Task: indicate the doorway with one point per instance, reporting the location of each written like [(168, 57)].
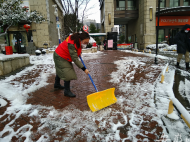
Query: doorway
[(18, 40), (172, 34)]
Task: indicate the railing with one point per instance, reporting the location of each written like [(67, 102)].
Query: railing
[(163, 73), (181, 110), (175, 103)]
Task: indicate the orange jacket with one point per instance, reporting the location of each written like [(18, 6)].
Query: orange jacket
[(63, 51)]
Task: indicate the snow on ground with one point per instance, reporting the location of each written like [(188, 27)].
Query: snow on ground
[(150, 55), (176, 128), (108, 119), (184, 89)]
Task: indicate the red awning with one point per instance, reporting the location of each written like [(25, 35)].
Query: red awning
[(173, 20)]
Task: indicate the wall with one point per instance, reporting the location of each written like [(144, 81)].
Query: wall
[(45, 32), (108, 8), (40, 32), (11, 64), (144, 29), (53, 31)]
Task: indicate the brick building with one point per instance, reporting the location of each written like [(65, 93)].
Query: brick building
[(139, 17), (38, 34)]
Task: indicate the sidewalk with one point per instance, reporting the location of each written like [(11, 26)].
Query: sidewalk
[(50, 116)]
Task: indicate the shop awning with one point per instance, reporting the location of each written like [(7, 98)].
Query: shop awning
[(173, 20)]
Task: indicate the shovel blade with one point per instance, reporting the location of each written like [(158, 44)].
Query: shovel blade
[(102, 99)]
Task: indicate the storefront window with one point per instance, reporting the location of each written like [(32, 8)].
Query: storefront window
[(174, 3), (131, 5), (18, 40), (161, 35), (163, 3), (120, 4), (186, 2)]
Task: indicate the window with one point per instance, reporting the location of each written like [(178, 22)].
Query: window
[(135, 38), (131, 5), (174, 3), (186, 2), (161, 35), (120, 4), (163, 3)]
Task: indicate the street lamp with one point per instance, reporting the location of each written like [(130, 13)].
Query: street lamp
[(57, 22), (157, 30)]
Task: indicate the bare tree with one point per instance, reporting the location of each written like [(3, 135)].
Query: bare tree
[(71, 9)]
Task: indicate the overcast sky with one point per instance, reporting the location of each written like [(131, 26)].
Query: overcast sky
[(95, 10)]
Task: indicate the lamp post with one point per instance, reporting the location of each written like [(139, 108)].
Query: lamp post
[(57, 22), (157, 31)]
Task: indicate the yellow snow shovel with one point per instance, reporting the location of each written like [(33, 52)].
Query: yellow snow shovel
[(99, 100)]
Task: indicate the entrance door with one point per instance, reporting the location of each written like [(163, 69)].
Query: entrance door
[(172, 34), (18, 41)]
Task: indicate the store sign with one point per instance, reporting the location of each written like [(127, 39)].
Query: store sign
[(173, 20)]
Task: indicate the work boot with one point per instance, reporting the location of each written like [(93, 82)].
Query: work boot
[(67, 91), (187, 66), (57, 83), (177, 66)]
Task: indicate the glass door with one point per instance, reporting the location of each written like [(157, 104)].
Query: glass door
[(18, 41)]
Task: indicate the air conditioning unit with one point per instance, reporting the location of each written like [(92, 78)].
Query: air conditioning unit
[(114, 29)]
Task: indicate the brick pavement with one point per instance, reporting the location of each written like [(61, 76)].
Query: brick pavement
[(47, 96)]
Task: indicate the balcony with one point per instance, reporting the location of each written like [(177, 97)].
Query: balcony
[(122, 16), (175, 11)]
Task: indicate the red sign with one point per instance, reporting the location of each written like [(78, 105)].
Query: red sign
[(85, 28), (173, 20)]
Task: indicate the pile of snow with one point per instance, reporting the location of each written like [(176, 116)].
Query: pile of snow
[(91, 41), (184, 89), (162, 47), (54, 46), (169, 48), (153, 46), (37, 51), (3, 102)]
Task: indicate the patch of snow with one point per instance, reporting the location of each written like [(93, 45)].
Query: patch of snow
[(12, 56), (3, 102)]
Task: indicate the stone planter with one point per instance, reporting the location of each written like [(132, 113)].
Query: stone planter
[(94, 49), (9, 63), (101, 47), (87, 50)]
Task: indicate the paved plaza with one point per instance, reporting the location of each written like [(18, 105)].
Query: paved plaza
[(60, 118)]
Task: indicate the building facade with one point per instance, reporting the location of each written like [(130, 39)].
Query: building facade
[(38, 34), (139, 18), (174, 14)]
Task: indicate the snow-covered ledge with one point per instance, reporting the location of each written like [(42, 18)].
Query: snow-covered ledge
[(89, 50), (9, 63)]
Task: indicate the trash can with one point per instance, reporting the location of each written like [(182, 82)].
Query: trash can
[(8, 50)]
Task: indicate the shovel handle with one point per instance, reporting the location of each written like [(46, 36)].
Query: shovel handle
[(89, 75)]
